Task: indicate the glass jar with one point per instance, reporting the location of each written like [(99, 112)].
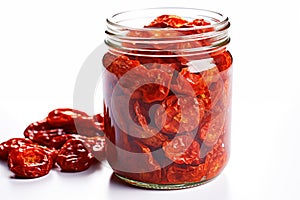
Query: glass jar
[(167, 96)]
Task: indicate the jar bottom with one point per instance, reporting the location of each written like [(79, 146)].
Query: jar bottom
[(161, 186)]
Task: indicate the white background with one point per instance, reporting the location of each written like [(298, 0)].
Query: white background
[(43, 45)]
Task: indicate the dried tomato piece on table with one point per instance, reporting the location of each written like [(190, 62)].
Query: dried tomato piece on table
[(96, 146), (30, 162), (73, 121), (42, 133), (74, 156), (99, 121), (11, 144)]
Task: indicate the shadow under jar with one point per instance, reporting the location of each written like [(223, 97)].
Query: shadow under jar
[(167, 96)]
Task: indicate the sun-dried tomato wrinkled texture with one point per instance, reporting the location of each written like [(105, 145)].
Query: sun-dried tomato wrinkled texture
[(30, 162)]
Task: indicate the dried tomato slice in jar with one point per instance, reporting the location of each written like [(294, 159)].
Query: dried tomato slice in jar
[(141, 166), (150, 137), (108, 58), (121, 65), (177, 22), (223, 60), (30, 162), (74, 156), (140, 115), (165, 21), (179, 114), (212, 130), (150, 85), (11, 144), (158, 86), (183, 149), (216, 160), (178, 174), (216, 87), (161, 62), (192, 84)]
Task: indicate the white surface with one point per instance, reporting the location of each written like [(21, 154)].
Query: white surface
[(43, 45)]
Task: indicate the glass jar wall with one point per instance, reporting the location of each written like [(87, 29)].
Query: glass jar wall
[(167, 96)]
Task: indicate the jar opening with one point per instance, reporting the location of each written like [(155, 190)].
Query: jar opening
[(126, 31), (136, 19)]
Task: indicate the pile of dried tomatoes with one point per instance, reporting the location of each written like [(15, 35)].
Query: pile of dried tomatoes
[(67, 138)]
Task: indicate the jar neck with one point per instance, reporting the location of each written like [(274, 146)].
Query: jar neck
[(126, 33)]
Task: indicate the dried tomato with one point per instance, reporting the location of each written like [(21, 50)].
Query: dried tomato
[(223, 60), (165, 21), (66, 116), (140, 166), (146, 134), (183, 149), (52, 152), (108, 58), (11, 144), (178, 174), (152, 85), (151, 137), (58, 141), (216, 160), (192, 84), (74, 156), (212, 129), (140, 115), (35, 127), (121, 65), (199, 22), (179, 114), (167, 64), (152, 170), (72, 121), (99, 121), (159, 87), (42, 133), (30, 162), (96, 146), (173, 21), (59, 126), (216, 87), (120, 114)]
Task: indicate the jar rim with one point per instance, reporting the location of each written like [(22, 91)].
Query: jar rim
[(120, 25), (218, 21)]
